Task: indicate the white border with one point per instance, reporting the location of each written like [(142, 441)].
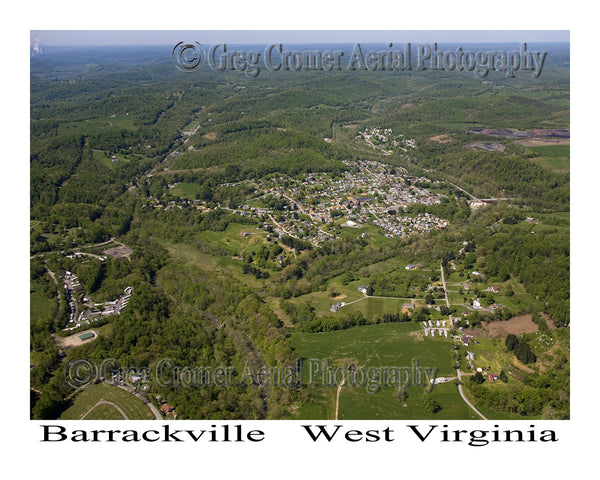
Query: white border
[(286, 454)]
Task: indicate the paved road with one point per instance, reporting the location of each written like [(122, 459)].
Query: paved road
[(462, 394), (150, 405), (464, 191)]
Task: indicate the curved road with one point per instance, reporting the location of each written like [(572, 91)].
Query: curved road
[(462, 394)]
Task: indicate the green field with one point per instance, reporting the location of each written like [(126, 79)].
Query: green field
[(108, 162), (375, 237), (104, 411), (386, 345), (231, 240), (555, 157), (393, 344), (87, 400), (186, 190), (237, 237), (518, 301), (356, 404), (41, 307), (372, 307)]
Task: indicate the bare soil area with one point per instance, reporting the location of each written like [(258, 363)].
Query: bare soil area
[(540, 142), (516, 326), (119, 252), (487, 146), (530, 138), (74, 340), (441, 139)]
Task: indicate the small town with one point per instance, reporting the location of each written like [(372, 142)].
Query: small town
[(312, 207), (369, 193)]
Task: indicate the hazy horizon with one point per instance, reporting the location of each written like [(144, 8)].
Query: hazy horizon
[(163, 37)]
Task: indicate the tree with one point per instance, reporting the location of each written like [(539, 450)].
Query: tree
[(502, 376), (432, 405), (511, 342), (478, 378), (524, 354)]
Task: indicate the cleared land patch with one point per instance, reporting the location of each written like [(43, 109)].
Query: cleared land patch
[(121, 251), (75, 340), (516, 326), (441, 139)]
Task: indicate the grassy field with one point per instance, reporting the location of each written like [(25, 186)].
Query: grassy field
[(520, 300), (375, 237), (372, 307), (356, 404), (231, 240), (186, 190), (122, 159), (40, 305), (393, 344), (86, 399), (236, 237), (386, 345), (104, 411), (555, 157)]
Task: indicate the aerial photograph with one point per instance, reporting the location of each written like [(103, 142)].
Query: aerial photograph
[(299, 225)]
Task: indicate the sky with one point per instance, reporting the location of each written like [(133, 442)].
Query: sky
[(164, 37)]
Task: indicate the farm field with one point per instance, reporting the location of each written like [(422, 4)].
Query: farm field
[(186, 190), (356, 404), (86, 404), (41, 307), (555, 157), (377, 346)]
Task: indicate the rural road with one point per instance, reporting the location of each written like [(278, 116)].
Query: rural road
[(464, 191), (154, 410), (458, 374), (337, 398), (460, 390), (445, 289)]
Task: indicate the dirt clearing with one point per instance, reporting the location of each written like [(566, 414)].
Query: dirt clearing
[(74, 340), (119, 252), (516, 326), (441, 139), (541, 142)]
